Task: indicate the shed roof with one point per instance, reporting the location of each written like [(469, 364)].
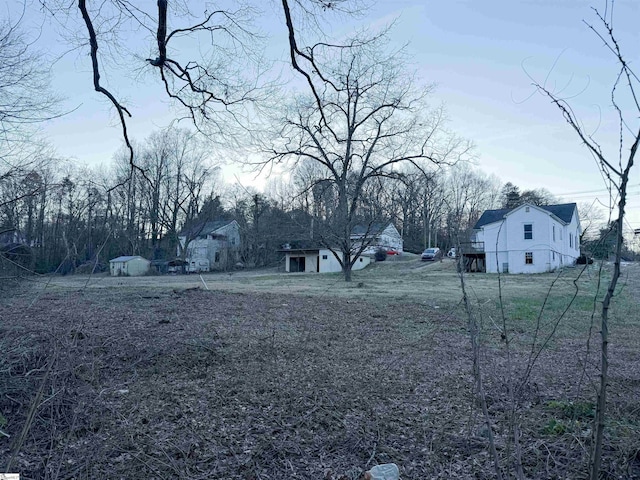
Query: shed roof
[(301, 245), (564, 211), (125, 258)]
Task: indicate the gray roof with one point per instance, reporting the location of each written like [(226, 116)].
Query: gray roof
[(125, 258), (372, 229), (490, 216), (206, 228), (563, 211)]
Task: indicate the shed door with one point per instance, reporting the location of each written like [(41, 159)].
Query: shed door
[(297, 264)]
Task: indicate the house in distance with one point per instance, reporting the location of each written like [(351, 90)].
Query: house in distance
[(213, 245), (525, 239), (378, 236)]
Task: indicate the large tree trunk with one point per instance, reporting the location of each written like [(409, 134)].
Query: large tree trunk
[(347, 265)]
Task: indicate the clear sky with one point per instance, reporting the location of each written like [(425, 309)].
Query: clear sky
[(482, 54)]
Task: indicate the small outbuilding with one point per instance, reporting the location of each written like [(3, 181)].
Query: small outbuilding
[(129, 265), (317, 260)]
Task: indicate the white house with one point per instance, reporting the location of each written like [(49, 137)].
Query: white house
[(129, 265), (380, 235), (210, 245), (526, 239), (318, 260)]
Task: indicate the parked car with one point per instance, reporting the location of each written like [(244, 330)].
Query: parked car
[(391, 251), (431, 254)]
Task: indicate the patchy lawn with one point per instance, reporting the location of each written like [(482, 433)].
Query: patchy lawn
[(150, 378)]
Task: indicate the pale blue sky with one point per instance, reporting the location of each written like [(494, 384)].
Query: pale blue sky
[(478, 52)]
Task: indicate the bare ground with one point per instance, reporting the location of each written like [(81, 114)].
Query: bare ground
[(252, 380)]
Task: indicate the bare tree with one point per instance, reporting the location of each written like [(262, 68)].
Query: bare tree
[(178, 168), (25, 102), (592, 218), (615, 163), (25, 95), (468, 192), (207, 58), (366, 116)]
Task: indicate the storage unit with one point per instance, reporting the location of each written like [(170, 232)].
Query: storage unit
[(129, 265)]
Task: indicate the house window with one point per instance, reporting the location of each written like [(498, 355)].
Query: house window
[(528, 258), (553, 255), (324, 257), (554, 233), (526, 209), (571, 240), (233, 241), (528, 231), (217, 257)]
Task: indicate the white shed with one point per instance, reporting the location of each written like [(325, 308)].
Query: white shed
[(129, 265), (318, 260)]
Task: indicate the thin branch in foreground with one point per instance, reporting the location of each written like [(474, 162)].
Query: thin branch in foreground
[(122, 110)]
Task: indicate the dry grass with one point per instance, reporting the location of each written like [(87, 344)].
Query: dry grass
[(273, 376)]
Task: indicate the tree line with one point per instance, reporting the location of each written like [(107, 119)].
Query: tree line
[(361, 145), (58, 217)]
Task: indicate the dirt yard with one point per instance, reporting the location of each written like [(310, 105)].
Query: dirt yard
[(273, 376)]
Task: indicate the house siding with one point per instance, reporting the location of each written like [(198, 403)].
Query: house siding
[(389, 238), (505, 242), (219, 252)]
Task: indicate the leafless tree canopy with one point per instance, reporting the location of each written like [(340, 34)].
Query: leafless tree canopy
[(208, 58), (25, 97), (365, 116), (25, 102)]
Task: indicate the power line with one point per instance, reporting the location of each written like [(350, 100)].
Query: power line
[(600, 190)]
